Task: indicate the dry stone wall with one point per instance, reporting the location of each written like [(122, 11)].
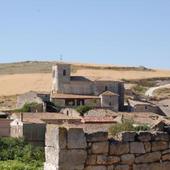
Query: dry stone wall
[(72, 149)]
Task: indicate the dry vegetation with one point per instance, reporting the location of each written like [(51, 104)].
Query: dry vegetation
[(21, 77), (162, 93)]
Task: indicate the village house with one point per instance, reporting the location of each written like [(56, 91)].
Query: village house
[(141, 106), (72, 91)]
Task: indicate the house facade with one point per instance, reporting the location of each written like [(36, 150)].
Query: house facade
[(73, 91)]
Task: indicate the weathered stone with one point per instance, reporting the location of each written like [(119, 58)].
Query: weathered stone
[(144, 136), (159, 145), (51, 156), (156, 166), (119, 148), (161, 136), (101, 159), (147, 146), (166, 165), (127, 136), (72, 159), (48, 166), (166, 157), (100, 147), (76, 139), (56, 136), (96, 168), (166, 152), (141, 167), (137, 147), (128, 159), (111, 167), (107, 160), (113, 159), (152, 166), (122, 167), (91, 160), (97, 137), (148, 157)]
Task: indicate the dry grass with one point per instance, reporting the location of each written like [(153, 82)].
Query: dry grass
[(162, 93), (22, 77)]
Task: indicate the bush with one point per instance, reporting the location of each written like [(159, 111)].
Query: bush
[(139, 89), (19, 150), (27, 107), (127, 125), (83, 109), (17, 165)]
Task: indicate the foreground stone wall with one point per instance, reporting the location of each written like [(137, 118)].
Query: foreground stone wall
[(72, 149)]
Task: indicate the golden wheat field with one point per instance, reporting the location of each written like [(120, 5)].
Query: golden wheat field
[(19, 83)]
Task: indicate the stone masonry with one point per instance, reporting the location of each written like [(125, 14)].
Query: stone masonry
[(72, 149)]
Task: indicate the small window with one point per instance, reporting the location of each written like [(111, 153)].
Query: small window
[(106, 88), (64, 72), (110, 103), (146, 107)]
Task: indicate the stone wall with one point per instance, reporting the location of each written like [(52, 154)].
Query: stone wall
[(72, 149)]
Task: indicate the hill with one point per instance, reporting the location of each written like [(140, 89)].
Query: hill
[(17, 78)]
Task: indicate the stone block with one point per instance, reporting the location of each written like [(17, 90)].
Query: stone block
[(148, 157), (100, 147), (110, 167), (166, 165), (127, 136), (56, 137), (72, 159), (144, 136), (91, 160), (128, 159), (97, 137), (51, 156), (141, 167), (101, 159), (96, 168), (166, 157), (159, 145), (137, 147), (161, 136), (122, 167), (76, 139), (166, 152), (119, 148), (48, 166), (147, 146), (113, 159)]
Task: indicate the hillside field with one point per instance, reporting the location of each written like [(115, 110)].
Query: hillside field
[(17, 78)]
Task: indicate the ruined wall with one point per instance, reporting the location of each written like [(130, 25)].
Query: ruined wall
[(72, 149)]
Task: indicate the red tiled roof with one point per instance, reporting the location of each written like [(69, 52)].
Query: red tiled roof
[(98, 119)]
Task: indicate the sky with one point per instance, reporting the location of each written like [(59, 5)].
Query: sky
[(119, 32)]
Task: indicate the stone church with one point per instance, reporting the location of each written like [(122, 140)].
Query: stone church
[(72, 91)]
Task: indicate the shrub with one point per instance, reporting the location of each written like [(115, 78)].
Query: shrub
[(127, 125), (17, 165), (27, 107), (83, 109), (139, 89), (19, 150)]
